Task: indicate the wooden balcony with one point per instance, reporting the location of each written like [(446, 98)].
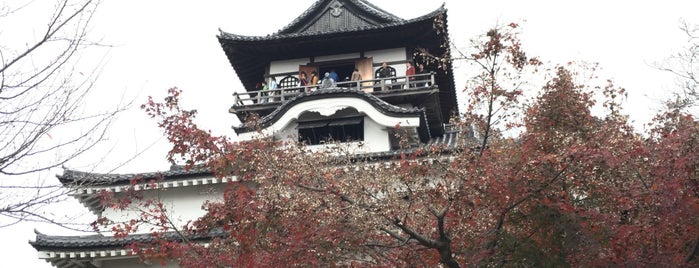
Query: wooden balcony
[(395, 90)]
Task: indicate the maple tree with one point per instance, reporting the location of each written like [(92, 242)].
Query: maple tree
[(569, 188)]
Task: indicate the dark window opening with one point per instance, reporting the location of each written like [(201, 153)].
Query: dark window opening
[(325, 131), (343, 70)]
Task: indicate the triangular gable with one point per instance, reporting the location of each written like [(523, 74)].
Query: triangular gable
[(328, 16)]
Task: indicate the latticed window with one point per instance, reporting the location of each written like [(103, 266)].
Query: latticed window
[(387, 82), (289, 81), (393, 72)]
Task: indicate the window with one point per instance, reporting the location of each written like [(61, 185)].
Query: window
[(338, 129), (391, 69), (392, 81), (288, 82), (343, 70)]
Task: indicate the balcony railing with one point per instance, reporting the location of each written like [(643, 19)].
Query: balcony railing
[(411, 82)]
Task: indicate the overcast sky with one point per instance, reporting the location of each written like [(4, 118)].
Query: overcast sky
[(158, 44)]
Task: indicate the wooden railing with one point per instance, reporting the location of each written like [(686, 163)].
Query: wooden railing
[(279, 95)]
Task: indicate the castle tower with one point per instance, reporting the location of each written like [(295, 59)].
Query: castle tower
[(332, 36)]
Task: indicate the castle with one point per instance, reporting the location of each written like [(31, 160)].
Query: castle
[(368, 90)]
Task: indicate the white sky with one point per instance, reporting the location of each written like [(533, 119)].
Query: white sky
[(159, 44)]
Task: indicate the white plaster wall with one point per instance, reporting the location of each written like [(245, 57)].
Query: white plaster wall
[(400, 69), (346, 56), (387, 55), (375, 136), (289, 133), (286, 66), (182, 203)]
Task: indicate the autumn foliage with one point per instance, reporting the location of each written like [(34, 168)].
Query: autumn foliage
[(549, 183)]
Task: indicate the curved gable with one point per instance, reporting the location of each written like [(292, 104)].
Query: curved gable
[(328, 102)]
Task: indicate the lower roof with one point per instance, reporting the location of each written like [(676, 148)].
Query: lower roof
[(92, 179), (449, 142)]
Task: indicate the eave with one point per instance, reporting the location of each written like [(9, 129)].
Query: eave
[(91, 250), (86, 187), (250, 54)]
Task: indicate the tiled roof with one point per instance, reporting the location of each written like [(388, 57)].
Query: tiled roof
[(449, 140), (282, 35), (99, 241), (371, 8), (381, 105), (73, 176)]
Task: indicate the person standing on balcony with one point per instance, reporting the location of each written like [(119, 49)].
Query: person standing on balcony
[(264, 92), (273, 83), (314, 79), (328, 82), (258, 89), (409, 74), (421, 75), (334, 75), (273, 87), (303, 80), (356, 76), (384, 73)]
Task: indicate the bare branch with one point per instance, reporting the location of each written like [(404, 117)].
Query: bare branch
[(44, 122)]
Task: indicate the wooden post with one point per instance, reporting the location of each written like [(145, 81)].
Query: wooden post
[(235, 98), (431, 78)]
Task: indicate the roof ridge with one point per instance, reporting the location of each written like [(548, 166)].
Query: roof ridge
[(314, 8), (280, 35)]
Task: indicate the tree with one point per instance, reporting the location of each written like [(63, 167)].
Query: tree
[(569, 189), (685, 66), (496, 90), (43, 121)]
